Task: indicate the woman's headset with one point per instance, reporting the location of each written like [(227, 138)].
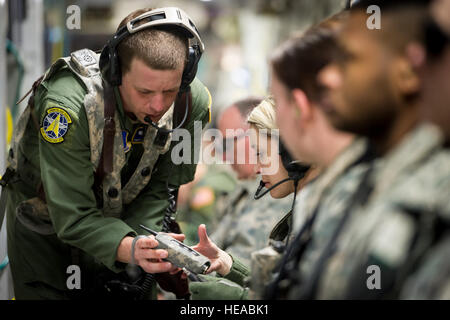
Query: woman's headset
[(296, 171)]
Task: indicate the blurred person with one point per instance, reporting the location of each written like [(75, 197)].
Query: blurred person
[(435, 91), (341, 157), (432, 58), (390, 223), (245, 224), (203, 198), (233, 119), (91, 161)]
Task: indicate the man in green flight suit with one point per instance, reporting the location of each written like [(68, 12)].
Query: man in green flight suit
[(78, 193)]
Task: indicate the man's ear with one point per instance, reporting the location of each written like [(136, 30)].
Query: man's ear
[(302, 105), (416, 55), (407, 79)]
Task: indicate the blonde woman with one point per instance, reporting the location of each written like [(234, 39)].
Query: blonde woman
[(280, 183)]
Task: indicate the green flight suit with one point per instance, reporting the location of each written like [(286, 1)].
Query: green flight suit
[(40, 262)]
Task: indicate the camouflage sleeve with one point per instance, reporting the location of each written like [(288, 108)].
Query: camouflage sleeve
[(431, 280), (253, 226), (67, 177)]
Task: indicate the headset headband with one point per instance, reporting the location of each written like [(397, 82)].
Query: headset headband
[(166, 16), (109, 60)]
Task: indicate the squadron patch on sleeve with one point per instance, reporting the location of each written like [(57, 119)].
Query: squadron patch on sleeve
[(203, 197), (55, 125), (126, 143)]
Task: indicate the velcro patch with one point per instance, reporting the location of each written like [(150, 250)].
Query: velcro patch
[(55, 125), (84, 57), (138, 135)]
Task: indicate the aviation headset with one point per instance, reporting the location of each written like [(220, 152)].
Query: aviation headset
[(296, 171), (169, 16)]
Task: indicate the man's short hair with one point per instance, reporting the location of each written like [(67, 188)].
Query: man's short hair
[(298, 60), (160, 48), (244, 106), (386, 5), (402, 21)]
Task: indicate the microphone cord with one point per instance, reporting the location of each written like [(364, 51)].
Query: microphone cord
[(261, 186), (167, 131)]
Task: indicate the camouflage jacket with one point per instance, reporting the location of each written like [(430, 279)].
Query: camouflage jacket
[(383, 240), (265, 261), (431, 280), (324, 197), (247, 224)]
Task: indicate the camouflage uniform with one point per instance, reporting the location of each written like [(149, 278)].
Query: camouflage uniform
[(58, 144), (396, 226), (247, 222), (329, 195), (324, 199), (265, 261), (432, 279), (333, 186)]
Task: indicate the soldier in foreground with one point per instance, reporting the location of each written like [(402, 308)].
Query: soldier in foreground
[(432, 59), (91, 161)]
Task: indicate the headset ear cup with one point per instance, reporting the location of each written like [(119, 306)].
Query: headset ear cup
[(286, 158), (115, 72), (295, 169), (110, 66), (104, 63), (191, 67)]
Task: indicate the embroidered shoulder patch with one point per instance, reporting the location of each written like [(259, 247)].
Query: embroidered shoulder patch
[(55, 125), (203, 197), (126, 143), (138, 135)]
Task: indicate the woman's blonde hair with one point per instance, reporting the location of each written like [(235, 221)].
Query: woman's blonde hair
[(263, 115)]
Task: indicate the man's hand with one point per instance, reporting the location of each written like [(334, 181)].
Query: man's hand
[(145, 254), (220, 260)]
